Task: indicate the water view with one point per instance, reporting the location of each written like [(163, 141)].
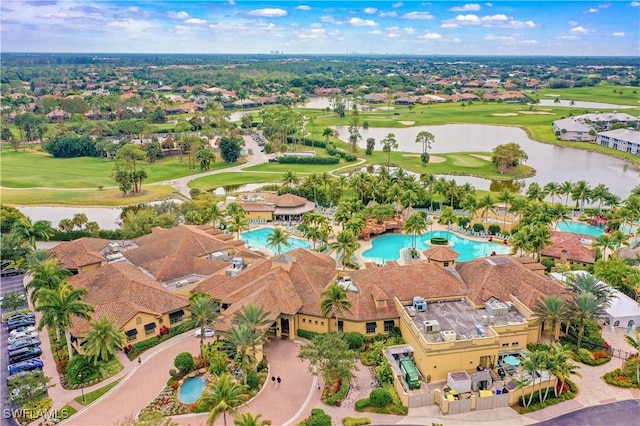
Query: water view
[(387, 247), (580, 228), (552, 163), (258, 238)]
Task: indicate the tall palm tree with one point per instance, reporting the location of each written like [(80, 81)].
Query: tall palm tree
[(634, 342), (356, 224), (415, 225), (552, 189), (278, 239), (505, 197), (203, 311), (558, 213), (346, 244), (561, 367), (216, 215), (389, 143), (47, 274), (224, 396), (520, 243), (290, 178), (102, 339), (334, 301), (426, 139), (551, 310), (469, 204), (238, 224), (604, 242), (254, 317), (584, 307), (447, 216), (60, 306), (247, 419), (485, 204), (580, 283), (429, 183), (243, 342), (31, 232), (599, 193), (581, 193), (535, 192)]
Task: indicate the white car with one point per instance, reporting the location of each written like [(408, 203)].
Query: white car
[(208, 332), (22, 335), (25, 329)]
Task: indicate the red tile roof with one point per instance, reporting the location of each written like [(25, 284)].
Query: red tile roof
[(441, 254), (568, 245), (81, 252)]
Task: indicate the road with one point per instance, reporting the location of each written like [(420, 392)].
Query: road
[(7, 285), (619, 413)]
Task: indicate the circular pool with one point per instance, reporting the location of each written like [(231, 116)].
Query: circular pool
[(191, 389)]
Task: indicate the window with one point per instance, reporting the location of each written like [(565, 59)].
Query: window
[(515, 343), (388, 325), (505, 345), (371, 327), (150, 329), (316, 323), (176, 317), (340, 325), (139, 320), (132, 335), (304, 320), (321, 322), (446, 264)]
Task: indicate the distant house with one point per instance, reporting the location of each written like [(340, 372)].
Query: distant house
[(58, 115), (567, 247), (375, 98), (573, 129), (621, 139), (81, 255), (326, 91)]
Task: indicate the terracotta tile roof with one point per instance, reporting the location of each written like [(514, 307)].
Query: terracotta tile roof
[(169, 253), (531, 264), (81, 252), (500, 276), (568, 245), (119, 291), (257, 207), (441, 254), (288, 200)]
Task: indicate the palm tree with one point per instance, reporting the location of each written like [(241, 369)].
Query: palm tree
[(635, 344), (356, 224), (290, 178), (561, 367), (551, 310), (238, 224), (334, 301), (102, 339), (535, 192), (520, 243), (469, 204), (216, 215), (600, 194), (346, 244), (485, 204), (327, 133), (254, 317), (47, 274), (565, 189), (247, 419), (584, 307), (426, 139), (552, 189), (278, 239), (203, 311), (532, 362), (447, 216), (224, 396), (389, 143), (243, 341), (604, 241), (429, 183), (505, 197), (580, 283), (581, 193), (415, 225), (558, 213), (59, 306), (32, 232)]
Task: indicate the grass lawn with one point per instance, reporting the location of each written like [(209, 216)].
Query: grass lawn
[(110, 197), (31, 168), (601, 93), (239, 178), (92, 396), (301, 169), (66, 412)]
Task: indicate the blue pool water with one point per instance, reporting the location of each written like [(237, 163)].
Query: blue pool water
[(191, 389), (258, 238), (580, 228), (387, 247)]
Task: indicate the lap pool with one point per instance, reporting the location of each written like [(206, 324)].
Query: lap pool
[(258, 238), (388, 247)]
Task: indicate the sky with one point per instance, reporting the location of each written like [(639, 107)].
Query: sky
[(575, 28)]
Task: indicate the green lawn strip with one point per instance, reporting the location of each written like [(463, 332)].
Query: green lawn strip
[(233, 178), (110, 197), (66, 412), (602, 93), (89, 397), (31, 169), (298, 168)]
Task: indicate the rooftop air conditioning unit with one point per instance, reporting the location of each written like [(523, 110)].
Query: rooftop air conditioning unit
[(238, 262), (448, 335), (181, 283), (510, 306), (431, 326), (234, 272), (114, 247), (480, 330), (115, 257), (496, 308), (411, 311), (419, 304)]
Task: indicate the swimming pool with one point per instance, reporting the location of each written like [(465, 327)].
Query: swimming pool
[(258, 238), (387, 247), (580, 228), (191, 389)]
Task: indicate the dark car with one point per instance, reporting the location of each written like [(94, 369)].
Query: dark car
[(32, 364), (21, 323), (24, 354), (24, 343), (12, 271), (273, 160)]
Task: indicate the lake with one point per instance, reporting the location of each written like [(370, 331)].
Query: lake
[(552, 163)]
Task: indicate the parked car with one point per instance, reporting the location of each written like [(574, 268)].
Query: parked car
[(9, 272), (22, 335), (21, 322), (24, 354), (21, 315), (208, 332), (27, 328), (23, 343), (32, 364), (273, 160)]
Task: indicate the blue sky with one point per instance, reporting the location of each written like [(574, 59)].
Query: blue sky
[(582, 28)]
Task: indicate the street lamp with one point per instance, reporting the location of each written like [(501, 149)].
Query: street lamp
[(81, 385)]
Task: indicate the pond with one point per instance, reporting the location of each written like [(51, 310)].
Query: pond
[(552, 163), (581, 104)]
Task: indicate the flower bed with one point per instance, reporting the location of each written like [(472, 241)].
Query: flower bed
[(168, 404)]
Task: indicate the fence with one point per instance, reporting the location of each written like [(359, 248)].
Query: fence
[(619, 353)]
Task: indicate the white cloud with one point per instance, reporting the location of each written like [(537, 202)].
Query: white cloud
[(578, 30), (391, 14), (303, 7), (490, 21), (313, 34), (195, 21), (604, 5), (392, 35), (397, 5), (330, 20), (507, 39), (431, 36), (178, 15), (268, 13), (592, 10), (470, 7), (133, 27), (417, 15), (409, 30), (618, 34), (489, 4), (635, 4), (449, 25), (358, 22), (529, 41), (374, 32), (231, 2), (370, 10), (133, 9), (568, 37), (572, 23)]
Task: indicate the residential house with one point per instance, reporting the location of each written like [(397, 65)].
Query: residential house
[(573, 129), (567, 247), (621, 139), (58, 115)]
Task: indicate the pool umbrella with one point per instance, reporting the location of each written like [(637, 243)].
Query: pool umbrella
[(511, 360)]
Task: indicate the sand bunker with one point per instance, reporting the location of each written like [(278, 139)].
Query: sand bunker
[(482, 157), (407, 123), (505, 114), (436, 159), (536, 112)]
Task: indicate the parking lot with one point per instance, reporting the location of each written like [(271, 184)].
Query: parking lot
[(7, 285)]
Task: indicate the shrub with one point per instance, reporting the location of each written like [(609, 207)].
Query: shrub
[(384, 373), (494, 229), (33, 410), (439, 241), (478, 227), (184, 362), (173, 372), (263, 365), (340, 394), (354, 339), (350, 158), (318, 418), (361, 404), (253, 381), (294, 159), (463, 221), (380, 398), (81, 366), (599, 354), (356, 421), (109, 368), (307, 334)]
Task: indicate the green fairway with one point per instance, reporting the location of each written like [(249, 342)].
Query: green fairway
[(87, 197), (240, 178), (298, 168), (31, 169), (604, 93)]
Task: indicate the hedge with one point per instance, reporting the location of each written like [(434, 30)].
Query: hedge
[(620, 379), (140, 347), (307, 334), (536, 405), (294, 159), (309, 142), (439, 241), (356, 421), (341, 394)]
